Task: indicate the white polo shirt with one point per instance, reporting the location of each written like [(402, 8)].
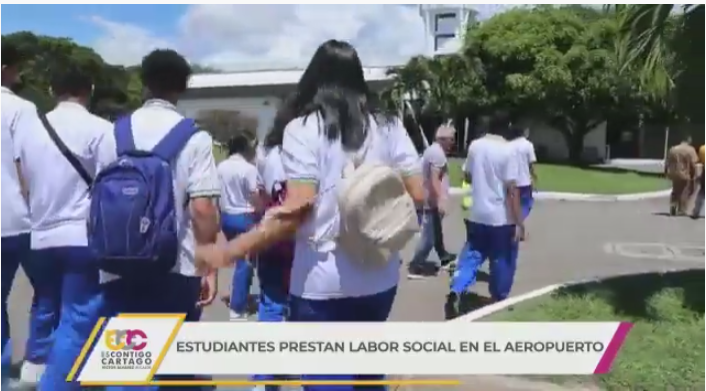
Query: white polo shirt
[(323, 271), (18, 116), (194, 171), (493, 165), (58, 196), (272, 170), (524, 150), (239, 181)]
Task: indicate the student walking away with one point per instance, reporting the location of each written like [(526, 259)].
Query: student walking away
[(699, 202), (435, 171), (156, 273), (495, 223), (18, 117), (524, 150), (339, 154), (240, 204), (680, 168), (59, 160)]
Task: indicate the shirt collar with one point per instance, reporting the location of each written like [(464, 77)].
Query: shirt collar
[(159, 103), (6, 90), (71, 106)]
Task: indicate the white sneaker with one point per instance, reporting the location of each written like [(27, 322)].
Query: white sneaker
[(237, 317), (30, 374)]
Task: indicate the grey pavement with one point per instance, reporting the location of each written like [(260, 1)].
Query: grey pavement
[(566, 241)]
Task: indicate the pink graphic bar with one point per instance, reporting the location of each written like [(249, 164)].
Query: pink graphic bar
[(611, 352)]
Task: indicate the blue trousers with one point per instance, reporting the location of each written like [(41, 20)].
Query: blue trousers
[(526, 200), (496, 244), (171, 294), (375, 308), (67, 297), (15, 251), (234, 225), (431, 236)]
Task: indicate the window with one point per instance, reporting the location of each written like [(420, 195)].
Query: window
[(445, 23), (441, 39)]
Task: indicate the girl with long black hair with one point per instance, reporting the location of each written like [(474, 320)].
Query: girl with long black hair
[(331, 117)]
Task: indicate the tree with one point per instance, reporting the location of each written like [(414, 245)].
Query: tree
[(666, 43), (552, 63), (223, 124)]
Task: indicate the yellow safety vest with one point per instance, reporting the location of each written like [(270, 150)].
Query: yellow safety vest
[(466, 201)]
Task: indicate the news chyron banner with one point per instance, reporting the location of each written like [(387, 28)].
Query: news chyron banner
[(133, 349)]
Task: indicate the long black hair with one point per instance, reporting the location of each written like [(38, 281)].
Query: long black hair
[(332, 86)]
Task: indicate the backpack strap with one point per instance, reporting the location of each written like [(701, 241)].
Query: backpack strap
[(175, 140), (123, 135)]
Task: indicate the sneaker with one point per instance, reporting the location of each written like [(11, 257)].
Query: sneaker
[(237, 317), (448, 261), (451, 308), (29, 376), (418, 271)]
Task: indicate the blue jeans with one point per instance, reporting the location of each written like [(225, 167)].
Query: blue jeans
[(526, 200), (487, 242), (67, 304), (172, 294), (375, 308), (234, 225), (15, 251), (431, 236)]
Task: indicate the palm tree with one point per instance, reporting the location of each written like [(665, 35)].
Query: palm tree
[(666, 41)]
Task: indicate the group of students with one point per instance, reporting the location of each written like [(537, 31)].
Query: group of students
[(56, 177)]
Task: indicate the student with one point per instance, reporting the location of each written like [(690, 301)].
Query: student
[(62, 271), (165, 74), (524, 150), (240, 204), (435, 171), (18, 116), (495, 224), (332, 121)]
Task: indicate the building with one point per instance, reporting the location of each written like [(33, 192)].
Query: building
[(444, 25)]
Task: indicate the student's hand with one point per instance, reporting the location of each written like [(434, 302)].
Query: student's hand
[(210, 257), (520, 233), (209, 289)]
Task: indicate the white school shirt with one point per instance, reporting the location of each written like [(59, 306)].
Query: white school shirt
[(18, 116), (273, 170), (492, 165), (238, 179), (320, 270), (194, 171), (58, 196), (435, 157), (524, 150)]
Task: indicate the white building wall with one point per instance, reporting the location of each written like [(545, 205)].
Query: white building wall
[(262, 108)]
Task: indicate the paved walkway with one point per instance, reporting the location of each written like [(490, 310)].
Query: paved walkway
[(567, 241)]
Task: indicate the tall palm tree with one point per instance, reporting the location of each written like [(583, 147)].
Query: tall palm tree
[(666, 42)]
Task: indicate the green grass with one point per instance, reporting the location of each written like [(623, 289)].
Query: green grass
[(665, 348), (568, 179)]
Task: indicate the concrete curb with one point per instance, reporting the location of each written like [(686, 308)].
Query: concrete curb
[(556, 196)]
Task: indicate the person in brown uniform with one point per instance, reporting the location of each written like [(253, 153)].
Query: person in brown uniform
[(680, 168)]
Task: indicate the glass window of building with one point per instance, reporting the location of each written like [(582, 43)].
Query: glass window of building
[(445, 23)]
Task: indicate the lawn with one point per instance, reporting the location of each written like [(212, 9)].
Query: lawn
[(665, 348), (568, 179)]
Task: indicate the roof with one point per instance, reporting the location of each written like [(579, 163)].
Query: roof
[(267, 77)]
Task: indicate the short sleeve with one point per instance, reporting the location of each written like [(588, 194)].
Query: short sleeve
[(203, 175), (300, 150), (531, 155), (403, 154), (437, 158), (512, 167)]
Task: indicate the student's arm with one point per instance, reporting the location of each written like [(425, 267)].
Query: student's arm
[(405, 159), (203, 189), (510, 177), (532, 158)]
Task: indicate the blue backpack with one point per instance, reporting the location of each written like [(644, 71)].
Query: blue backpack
[(132, 228)]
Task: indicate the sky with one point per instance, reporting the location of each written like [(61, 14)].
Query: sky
[(231, 37)]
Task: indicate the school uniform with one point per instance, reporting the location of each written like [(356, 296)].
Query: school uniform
[(490, 232), (194, 175), (18, 116), (525, 154), (61, 269), (239, 181), (326, 285)]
